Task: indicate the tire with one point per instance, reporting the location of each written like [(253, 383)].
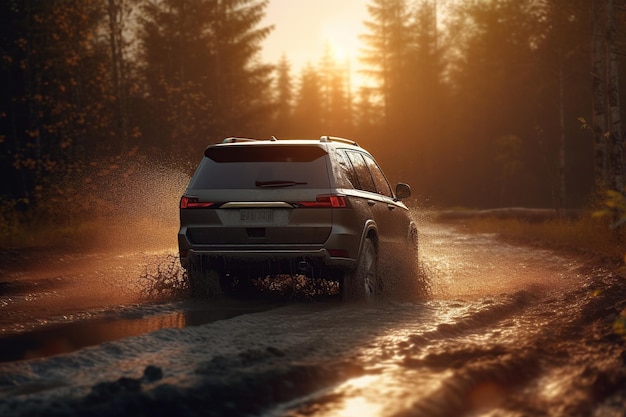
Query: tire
[(363, 283), (203, 282)]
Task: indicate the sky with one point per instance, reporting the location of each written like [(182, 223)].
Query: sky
[(302, 28)]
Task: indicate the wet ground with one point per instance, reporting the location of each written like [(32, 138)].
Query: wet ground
[(508, 330)]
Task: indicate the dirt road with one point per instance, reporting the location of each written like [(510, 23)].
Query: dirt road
[(507, 331)]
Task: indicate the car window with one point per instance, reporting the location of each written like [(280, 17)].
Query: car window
[(256, 167), (366, 182), (260, 153), (382, 185), (346, 171)]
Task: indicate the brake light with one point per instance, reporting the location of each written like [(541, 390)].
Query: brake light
[(326, 201), (193, 202), (337, 201)]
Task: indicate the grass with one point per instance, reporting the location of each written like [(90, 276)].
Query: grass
[(587, 234)]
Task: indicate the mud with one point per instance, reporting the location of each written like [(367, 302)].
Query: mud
[(507, 330)]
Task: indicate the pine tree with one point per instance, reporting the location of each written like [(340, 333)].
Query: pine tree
[(335, 89), (614, 127), (386, 51), (608, 141), (368, 120), (562, 50), (308, 108), (240, 85), (117, 22), (284, 99), (493, 76), (200, 66), (422, 114)]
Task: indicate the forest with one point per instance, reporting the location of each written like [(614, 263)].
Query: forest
[(474, 103)]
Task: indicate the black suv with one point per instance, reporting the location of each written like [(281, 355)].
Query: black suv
[(263, 208)]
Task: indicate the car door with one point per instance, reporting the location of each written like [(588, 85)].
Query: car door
[(392, 216), (389, 215)]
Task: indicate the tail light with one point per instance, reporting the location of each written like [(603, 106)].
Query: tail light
[(326, 201), (193, 202)]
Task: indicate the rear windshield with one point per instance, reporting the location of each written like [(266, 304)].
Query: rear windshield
[(258, 167)]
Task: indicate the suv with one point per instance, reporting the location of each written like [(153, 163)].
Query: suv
[(321, 208)]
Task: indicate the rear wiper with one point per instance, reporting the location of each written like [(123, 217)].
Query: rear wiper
[(277, 184)]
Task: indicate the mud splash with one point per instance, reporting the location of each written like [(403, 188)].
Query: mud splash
[(128, 256)]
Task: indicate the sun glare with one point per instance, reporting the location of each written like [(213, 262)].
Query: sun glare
[(306, 30), (342, 40)]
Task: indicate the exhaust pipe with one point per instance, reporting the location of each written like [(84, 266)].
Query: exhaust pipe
[(303, 266)]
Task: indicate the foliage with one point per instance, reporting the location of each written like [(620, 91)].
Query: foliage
[(198, 64), (587, 233), (336, 109), (386, 49), (57, 99), (464, 105), (283, 118), (614, 207), (309, 102)]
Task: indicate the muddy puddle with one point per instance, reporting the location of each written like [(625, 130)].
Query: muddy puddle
[(83, 301), (119, 323)]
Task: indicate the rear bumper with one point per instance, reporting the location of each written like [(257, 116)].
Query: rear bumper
[(336, 253), (340, 250), (231, 259), (313, 262)]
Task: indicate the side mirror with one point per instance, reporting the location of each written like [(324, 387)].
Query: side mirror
[(403, 191)]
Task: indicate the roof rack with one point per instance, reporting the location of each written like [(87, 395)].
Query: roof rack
[(336, 139), (234, 140), (274, 139)]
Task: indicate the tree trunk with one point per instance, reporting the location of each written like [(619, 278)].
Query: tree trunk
[(115, 11), (561, 199), (614, 127), (599, 72)]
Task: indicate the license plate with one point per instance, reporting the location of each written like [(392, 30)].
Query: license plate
[(256, 215)]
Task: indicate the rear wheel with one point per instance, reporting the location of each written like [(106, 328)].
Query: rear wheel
[(363, 283), (203, 281)]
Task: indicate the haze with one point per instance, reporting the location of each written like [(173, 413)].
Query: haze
[(303, 28)]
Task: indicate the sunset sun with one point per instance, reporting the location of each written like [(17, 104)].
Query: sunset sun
[(341, 39), (305, 34)]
